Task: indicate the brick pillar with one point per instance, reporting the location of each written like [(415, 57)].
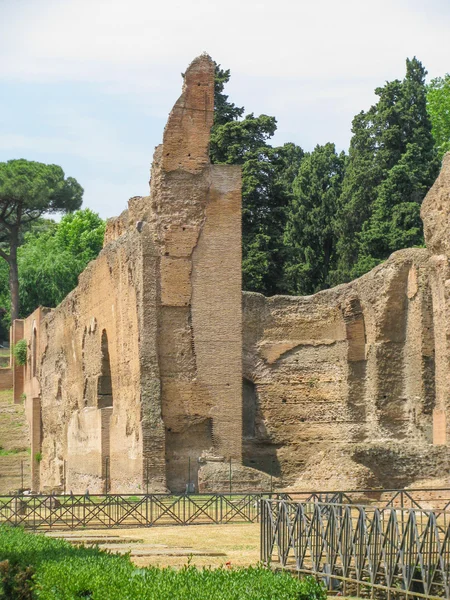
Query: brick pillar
[(106, 414)]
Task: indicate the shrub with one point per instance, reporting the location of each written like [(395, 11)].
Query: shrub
[(20, 352), (59, 571)]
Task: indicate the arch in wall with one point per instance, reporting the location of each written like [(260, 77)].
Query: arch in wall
[(104, 384), (34, 350)]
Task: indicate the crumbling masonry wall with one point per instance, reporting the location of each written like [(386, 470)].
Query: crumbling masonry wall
[(139, 369), (108, 302)]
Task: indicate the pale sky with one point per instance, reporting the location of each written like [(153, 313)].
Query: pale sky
[(88, 84)]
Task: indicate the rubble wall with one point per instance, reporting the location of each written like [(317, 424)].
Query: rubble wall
[(195, 213), (97, 345), (333, 380)]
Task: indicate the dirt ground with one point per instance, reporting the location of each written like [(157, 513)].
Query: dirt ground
[(200, 545)]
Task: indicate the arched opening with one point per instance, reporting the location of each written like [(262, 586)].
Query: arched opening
[(33, 352), (104, 386)]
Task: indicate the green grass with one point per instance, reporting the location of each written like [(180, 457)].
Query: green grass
[(42, 568)]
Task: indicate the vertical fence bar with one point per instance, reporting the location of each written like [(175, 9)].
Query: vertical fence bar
[(21, 474), (230, 478), (146, 475)]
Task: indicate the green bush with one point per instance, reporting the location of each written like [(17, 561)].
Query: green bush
[(20, 352), (37, 567)]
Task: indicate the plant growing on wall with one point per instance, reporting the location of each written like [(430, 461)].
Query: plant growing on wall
[(20, 352)]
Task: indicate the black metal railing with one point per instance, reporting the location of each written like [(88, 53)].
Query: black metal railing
[(128, 510), (362, 550), (422, 498), (113, 510)]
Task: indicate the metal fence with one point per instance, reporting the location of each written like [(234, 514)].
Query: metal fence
[(113, 510), (68, 511), (423, 498), (362, 550)]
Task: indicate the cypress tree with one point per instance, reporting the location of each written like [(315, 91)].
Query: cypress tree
[(267, 175), (309, 233), (392, 163)]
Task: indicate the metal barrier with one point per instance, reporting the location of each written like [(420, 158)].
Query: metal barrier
[(106, 511), (127, 510), (422, 498), (363, 550)]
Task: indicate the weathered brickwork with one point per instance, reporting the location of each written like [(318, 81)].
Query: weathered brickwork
[(156, 371)]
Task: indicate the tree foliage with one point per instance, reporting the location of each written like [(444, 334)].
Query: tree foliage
[(267, 175), (20, 352), (52, 257), (310, 228), (27, 191), (438, 98), (392, 163), (50, 262)]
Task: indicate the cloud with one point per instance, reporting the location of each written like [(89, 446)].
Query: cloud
[(313, 65), (112, 40)]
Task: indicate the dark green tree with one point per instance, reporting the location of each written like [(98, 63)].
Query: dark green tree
[(438, 105), (310, 228), (267, 176), (392, 163), (27, 191)]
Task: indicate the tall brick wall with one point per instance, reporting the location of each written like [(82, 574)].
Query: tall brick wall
[(109, 298), (196, 215), (168, 263)]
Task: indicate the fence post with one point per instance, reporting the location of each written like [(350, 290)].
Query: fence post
[(64, 477), (230, 476), (146, 475), (21, 473), (271, 476)]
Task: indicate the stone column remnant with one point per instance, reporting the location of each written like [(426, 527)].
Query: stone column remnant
[(435, 213), (195, 212)]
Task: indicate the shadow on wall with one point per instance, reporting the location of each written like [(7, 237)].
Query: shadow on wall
[(104, 386), (400, 464), (257, 450), (184, 447)]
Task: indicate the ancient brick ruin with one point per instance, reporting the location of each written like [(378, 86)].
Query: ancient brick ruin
[(156, 360)]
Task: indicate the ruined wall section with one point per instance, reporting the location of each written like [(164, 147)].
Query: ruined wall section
[(102, 330), (338, 376), (435, 213), (195, 214)]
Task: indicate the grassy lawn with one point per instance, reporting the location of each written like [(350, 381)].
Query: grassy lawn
[(42, 568), (14, 444)]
